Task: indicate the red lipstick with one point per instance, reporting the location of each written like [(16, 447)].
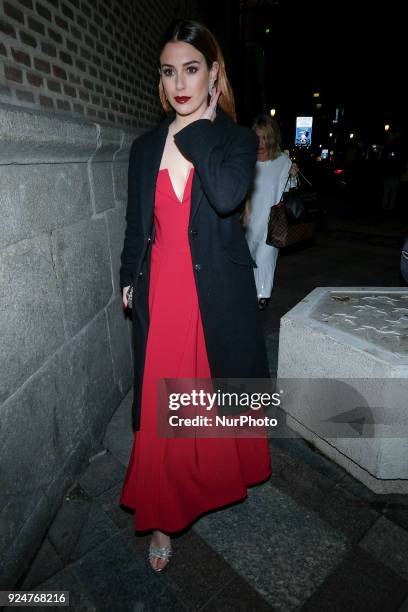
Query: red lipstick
[(182, 99)]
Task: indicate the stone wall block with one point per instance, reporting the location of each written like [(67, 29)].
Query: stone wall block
[(120, 340), (41, 197), (65, 358), (115, 220), (32, 136), (95, 358), (31, 325), (100, 179), (82, 262), (66, 402), (120, 181), (35, 519), (101, 168), (17, 556), (120, 167), (83, 378), (31, 419)]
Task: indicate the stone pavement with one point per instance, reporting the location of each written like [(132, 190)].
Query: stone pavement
[(312, 538)]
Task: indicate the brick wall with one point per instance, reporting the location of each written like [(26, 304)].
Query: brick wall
[(95, 58)]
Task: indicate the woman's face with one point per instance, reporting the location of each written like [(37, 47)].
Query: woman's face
[(261, 135), (262, 150), (185, 77)]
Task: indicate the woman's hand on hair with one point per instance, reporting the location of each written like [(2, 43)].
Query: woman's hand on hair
[(210, 111)]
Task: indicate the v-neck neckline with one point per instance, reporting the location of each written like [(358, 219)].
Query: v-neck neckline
[(171, 183)]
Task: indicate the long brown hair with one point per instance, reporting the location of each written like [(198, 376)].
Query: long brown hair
[(197, 35), (272, 134)]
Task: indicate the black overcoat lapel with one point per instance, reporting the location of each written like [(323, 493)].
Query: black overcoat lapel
[(150, 170), (155, 147)]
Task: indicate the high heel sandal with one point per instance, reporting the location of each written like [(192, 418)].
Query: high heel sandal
[(160, 552), (262, 303)]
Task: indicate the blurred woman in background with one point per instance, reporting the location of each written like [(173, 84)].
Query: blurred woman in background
[(273, 168)]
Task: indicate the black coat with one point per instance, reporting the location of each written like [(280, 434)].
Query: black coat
[(224, 157)]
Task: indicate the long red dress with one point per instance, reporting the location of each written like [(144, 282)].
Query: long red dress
[(172, 481)]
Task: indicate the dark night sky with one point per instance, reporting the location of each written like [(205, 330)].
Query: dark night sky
[(355, 53)]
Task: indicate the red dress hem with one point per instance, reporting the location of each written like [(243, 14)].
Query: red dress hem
[(219, 506)]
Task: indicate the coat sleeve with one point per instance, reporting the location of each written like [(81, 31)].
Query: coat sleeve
[(225, 180), (133, 231)]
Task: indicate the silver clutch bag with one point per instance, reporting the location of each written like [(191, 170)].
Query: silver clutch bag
[(129, 296)]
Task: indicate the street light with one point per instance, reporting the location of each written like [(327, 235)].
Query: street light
[(386, 127), (351, 136), (273, 112)]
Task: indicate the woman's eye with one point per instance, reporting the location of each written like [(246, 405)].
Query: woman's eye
[(168, 72)]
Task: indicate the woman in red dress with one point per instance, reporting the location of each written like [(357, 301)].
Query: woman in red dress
[(170, 482)]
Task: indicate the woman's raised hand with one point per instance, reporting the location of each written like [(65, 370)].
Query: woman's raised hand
[(124, 298), (210, 111)]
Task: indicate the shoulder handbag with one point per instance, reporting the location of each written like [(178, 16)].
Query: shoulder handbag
[(280, 232), (129, 296), (298, 200), (278, 226)]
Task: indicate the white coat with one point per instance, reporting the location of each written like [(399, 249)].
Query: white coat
[(269, 183)]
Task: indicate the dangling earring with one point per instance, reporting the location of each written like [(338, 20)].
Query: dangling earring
[(210, 88)]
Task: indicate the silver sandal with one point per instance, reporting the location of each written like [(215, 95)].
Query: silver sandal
[(160, 552)]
